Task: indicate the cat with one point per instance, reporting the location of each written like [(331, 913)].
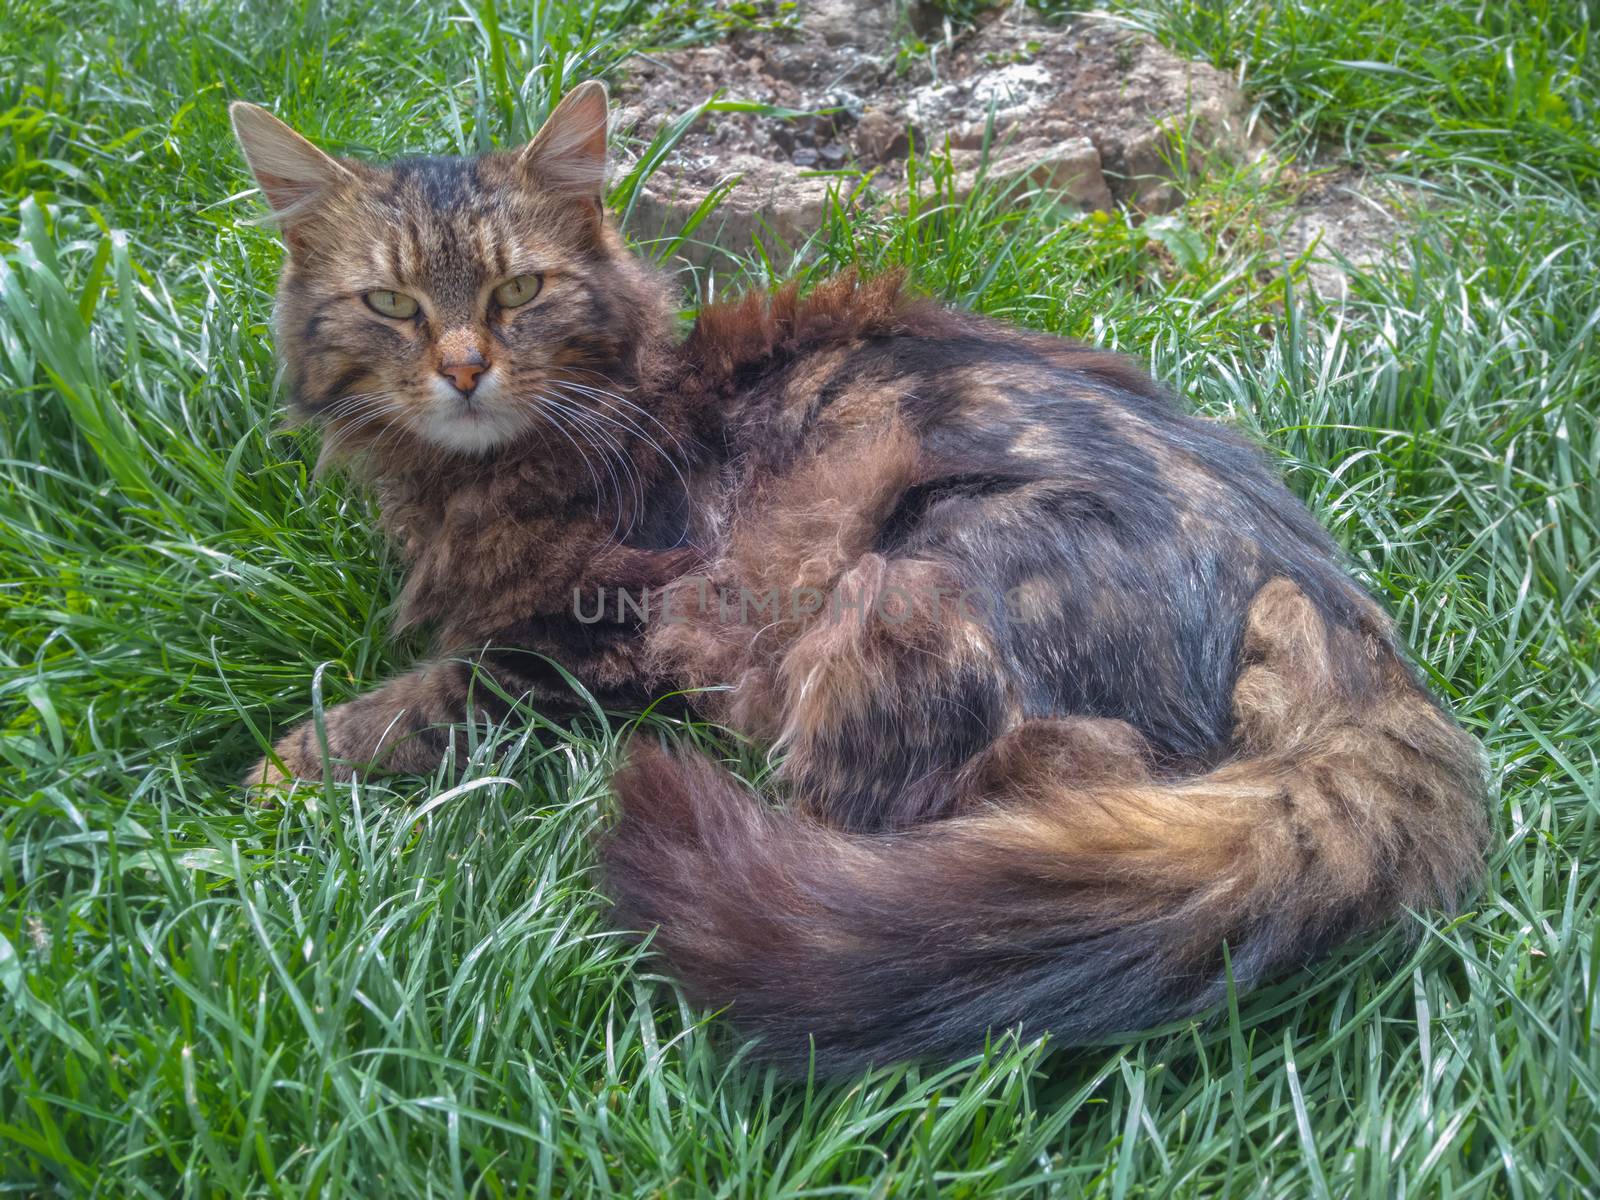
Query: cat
[(1080, 714)]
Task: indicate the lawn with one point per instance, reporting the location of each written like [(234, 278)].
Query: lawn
[(410, 987)]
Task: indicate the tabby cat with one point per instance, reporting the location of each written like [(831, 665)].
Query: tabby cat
[(1070, 692)]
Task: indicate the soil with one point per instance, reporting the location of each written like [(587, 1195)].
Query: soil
[(1347, 217), (1089, 109)]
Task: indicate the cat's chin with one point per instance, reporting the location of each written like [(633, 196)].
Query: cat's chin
[(474, 433), (474, 442), (473, 427)]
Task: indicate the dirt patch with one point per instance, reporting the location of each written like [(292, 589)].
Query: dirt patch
[(1089, 109), (1345, 217)]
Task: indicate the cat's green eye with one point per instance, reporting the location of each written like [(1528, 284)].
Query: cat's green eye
[(391, 304), (518, 291)]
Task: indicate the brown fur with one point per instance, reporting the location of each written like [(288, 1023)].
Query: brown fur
[(798, 531), (496, 544), (1077, 876), (1086, 693)]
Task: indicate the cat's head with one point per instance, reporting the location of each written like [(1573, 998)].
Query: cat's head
[(457, 304)]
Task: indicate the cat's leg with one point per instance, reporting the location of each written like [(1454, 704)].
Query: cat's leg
[(888, 695), (729, 624), (405, 725), (898, 705)]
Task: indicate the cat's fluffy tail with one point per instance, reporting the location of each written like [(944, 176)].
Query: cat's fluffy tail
[(1081, 909)]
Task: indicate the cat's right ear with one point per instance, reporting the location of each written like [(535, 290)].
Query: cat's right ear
[(567, 156), (293, 173)]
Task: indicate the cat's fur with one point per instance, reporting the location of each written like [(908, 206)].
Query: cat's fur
[(1171, 723)]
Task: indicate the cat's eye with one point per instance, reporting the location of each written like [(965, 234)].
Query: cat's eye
[(516, 292), (391, 304)]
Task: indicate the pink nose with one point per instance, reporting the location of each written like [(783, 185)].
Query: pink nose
[(464, 372)]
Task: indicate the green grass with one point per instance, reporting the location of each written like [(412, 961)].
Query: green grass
[(410, 988)]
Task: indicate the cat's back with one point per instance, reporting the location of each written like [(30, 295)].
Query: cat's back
[(986, 400), (1133, 532)]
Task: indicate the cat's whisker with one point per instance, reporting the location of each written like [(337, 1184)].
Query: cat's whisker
[(617, 397), (599, 421), (623, 422), (374, 410), (631, 465), (609, 412), (638, 494), (349, 403), (354, 406), (613, 447), (548, 411), (622, 419), (391, 429), (578, 422), (343, 435), (346, 431), (608, 446)]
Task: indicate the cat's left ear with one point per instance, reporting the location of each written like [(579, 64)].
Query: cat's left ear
[(568, 155), (293, 173)]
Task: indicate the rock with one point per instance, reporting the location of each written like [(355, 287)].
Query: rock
[(1071, 167), (1090, 109), (868, 25), (881, 137), (772, 201)]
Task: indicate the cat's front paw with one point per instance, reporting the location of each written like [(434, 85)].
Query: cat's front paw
[(275, 775), (266, 782)]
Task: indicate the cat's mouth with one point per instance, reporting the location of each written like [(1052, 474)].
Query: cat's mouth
[(476, 410), (472, 423)]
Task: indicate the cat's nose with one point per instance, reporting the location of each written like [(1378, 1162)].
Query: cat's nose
[(464, 371)]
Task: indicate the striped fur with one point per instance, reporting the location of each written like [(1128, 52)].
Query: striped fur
[(1129, 707), (1078, 893), (1188, 726)]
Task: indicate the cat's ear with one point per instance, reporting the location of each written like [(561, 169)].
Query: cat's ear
[(293, 173), (568, 154)]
